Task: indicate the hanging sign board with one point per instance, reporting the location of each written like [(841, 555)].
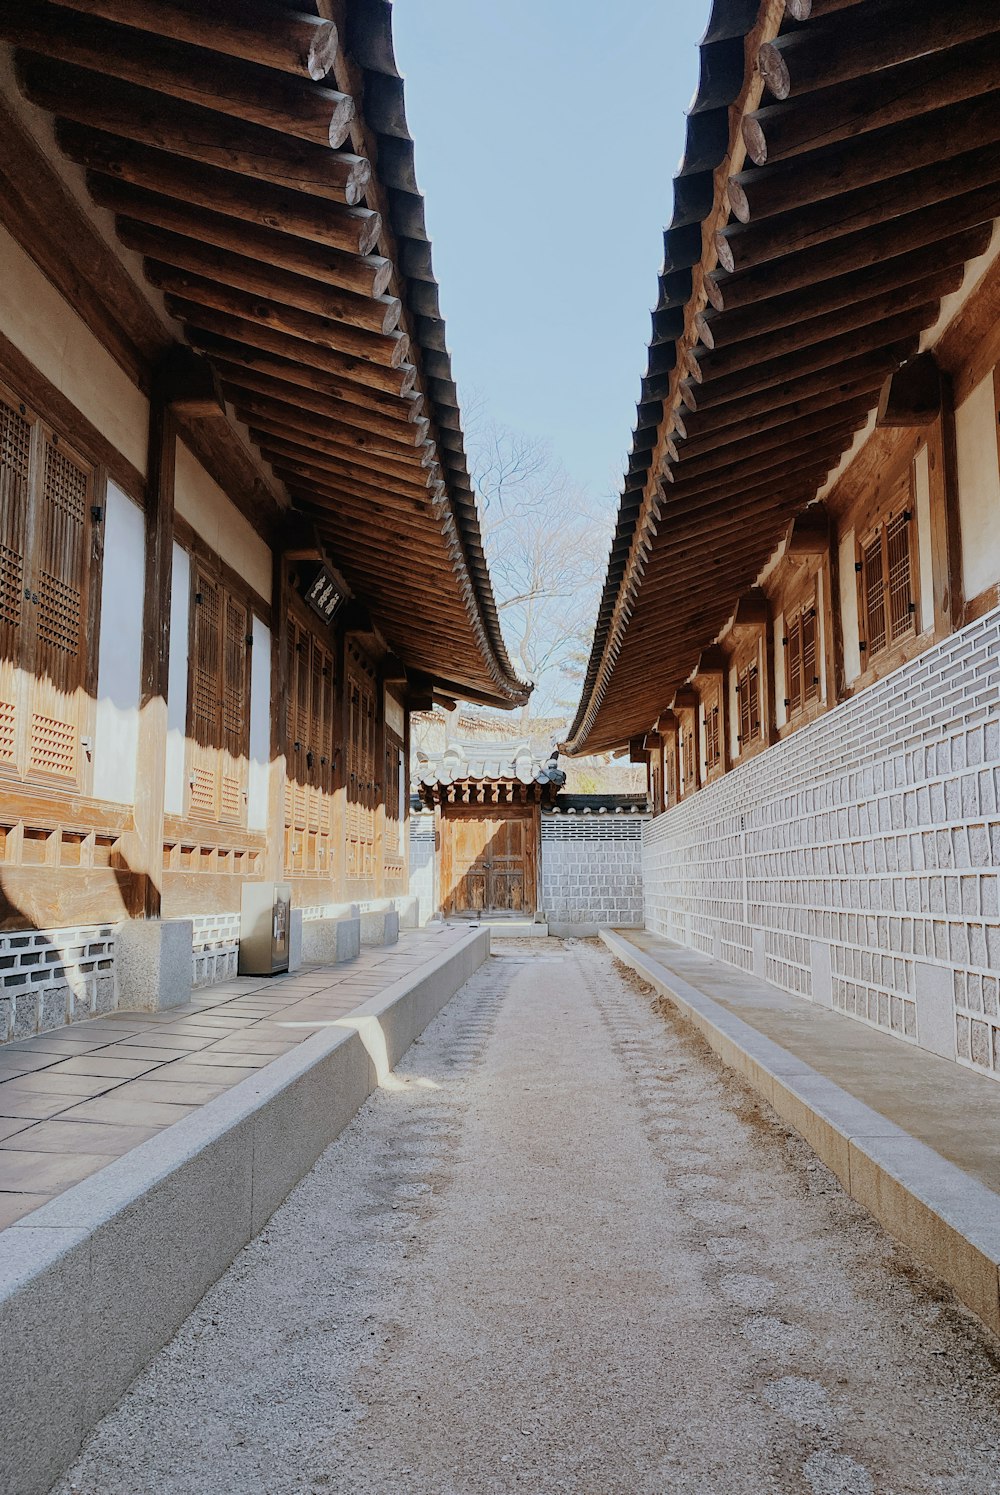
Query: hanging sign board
[(323, 594)]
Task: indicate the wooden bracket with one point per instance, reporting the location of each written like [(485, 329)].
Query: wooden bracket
[(912, 395)]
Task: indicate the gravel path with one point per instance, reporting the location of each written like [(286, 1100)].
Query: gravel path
[(564, 1251)]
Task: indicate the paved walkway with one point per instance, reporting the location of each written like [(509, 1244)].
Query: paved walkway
[(953, 1109), (76, 1097), (563, 1250)]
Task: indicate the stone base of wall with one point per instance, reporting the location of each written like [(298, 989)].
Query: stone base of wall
[(857, 863), (53, 976)]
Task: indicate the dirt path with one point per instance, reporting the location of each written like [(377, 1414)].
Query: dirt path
[(565, 1252)]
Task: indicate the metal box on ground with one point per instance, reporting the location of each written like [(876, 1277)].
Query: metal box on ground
[(265, 919)]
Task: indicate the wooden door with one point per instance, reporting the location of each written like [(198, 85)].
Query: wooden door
[(488, 860)]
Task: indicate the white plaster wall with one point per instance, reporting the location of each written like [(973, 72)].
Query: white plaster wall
[(177, 682), (979, 488), (260, 726), (199, 499), (60, 345), (780, 672), (924, 538), (116, 728), (849, 607)]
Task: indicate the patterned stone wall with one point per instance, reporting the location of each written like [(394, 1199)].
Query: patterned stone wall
[(857, 863), (54, 976), (592, 872)]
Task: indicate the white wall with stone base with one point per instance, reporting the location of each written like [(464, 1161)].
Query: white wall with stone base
[(857, 863)]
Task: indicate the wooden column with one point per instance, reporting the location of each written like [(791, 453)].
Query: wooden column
[(380, 780), (341, 721), (146, 843), (275, 858)]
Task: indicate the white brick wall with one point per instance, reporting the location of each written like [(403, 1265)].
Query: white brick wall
[(856, 863), (592, 870)]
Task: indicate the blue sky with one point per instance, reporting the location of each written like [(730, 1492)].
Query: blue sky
[(547, 134)]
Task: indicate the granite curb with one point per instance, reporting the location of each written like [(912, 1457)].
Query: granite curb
[(948, 1219), (95, 1282)]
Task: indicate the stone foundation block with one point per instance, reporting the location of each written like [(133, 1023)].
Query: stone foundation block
[(154, 963), (327, 941), (380, 927)]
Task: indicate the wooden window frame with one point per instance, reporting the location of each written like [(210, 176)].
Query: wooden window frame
[(748, 674), (713, 761), (872, 525), (29, 781), (800, 702)]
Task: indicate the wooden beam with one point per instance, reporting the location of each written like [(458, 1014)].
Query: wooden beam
[(829, 116), (343, 454), (151, 119), (776, 314), (829, 356), (353, 342), (259, 278), (746, 245), (288, 106), (339, 419), (864, 312), (873, 159), (304, 391), (292, 42), (257, 334), (222, 189), (822, 56), (847, 255), (366, 275), (946, 523)]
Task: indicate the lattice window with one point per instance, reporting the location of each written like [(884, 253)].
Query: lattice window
[(801, 669), (310, 727), (888, 605), (713, 737), (219, 701), (688, 735), (46, 518), (15, 456), (393, 794), (748, 705), (362, 791)]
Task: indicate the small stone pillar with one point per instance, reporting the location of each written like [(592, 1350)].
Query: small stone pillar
[(154, 963)]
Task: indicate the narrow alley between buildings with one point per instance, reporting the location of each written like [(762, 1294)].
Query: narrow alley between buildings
[(563, 1249)]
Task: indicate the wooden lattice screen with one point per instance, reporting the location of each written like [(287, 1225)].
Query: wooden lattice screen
[(393, 845), (219, 702), (800, 657), (888, 607), (713, 743), (748, 704), (310, 754), (362, 790), (46, 524)]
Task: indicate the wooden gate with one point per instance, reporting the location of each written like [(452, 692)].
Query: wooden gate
[(489, 859)]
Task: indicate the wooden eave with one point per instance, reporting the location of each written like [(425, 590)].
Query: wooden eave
[(257, 157), (842, 169), (479, 791)]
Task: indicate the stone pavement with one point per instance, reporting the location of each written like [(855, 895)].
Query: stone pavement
[(74, 1098), (949, 1108)]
